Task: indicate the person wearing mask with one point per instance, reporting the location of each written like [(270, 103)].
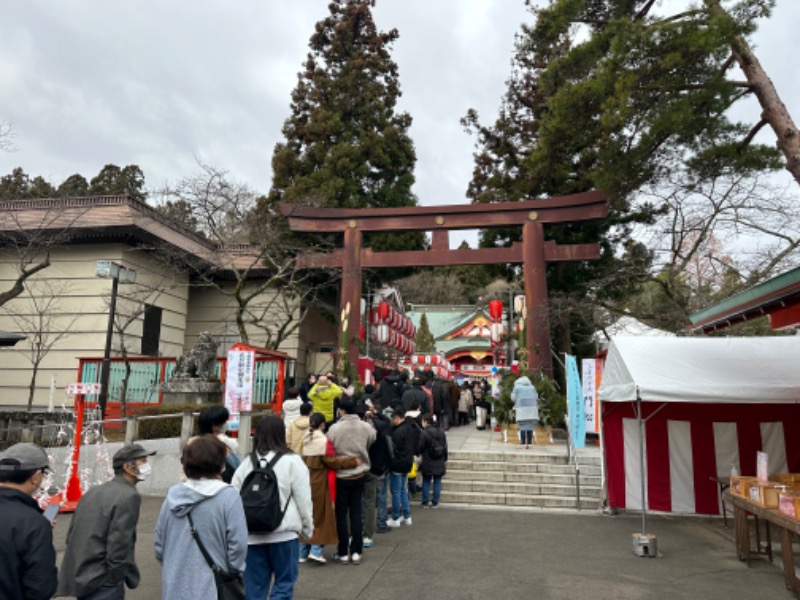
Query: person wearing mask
[(213, 420), (216, 513), (272, 558), (27, 556), (306, 386), (100, 559), (402, 459), (351, 437)]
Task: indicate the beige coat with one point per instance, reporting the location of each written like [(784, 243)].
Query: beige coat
[(295, 434)]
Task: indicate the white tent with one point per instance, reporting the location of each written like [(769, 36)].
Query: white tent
[(689, 369), (707, 405)]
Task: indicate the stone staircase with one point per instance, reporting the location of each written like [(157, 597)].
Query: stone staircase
[(522, 478)]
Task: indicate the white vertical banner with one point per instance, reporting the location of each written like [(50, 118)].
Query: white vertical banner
[(589, 393), (239, 380)]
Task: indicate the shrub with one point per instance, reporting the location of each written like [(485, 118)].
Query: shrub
[(552, 405)]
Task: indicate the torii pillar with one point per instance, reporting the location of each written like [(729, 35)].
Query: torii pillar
[(534, 252)]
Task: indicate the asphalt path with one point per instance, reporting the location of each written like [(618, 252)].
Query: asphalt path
[(461, 553)]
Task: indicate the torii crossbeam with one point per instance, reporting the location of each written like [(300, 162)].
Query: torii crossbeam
[(534, 252)]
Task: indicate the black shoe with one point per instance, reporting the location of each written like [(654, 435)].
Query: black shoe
[(383, 530)]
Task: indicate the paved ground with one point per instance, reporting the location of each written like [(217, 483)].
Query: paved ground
[(462, 553)]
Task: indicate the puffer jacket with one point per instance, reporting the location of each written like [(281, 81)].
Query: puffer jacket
[(526, 400), (403, 444)]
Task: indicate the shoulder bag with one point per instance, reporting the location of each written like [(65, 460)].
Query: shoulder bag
[(230, 584)]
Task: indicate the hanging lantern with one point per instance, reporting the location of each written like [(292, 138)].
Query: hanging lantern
[(362, 332), (383, 310), (413, 347), (382, 333), (496, 310), (496, 332)]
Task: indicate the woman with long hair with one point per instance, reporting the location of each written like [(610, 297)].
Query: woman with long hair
[(322, 462), (272, 557), (215, 511)]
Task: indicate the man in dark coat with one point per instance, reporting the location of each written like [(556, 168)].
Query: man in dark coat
[(100, 558), (433, 450), (400, 465), (27, 557), (415, 392), (441, 402)]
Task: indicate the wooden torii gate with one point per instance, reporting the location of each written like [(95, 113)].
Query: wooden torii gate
[(534, 252)]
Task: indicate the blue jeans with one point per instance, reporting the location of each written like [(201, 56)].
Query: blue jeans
[(437, 488), (382, 485), (306, 549), (399, 486), (268, 561)]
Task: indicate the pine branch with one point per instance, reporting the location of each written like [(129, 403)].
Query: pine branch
[(749, 138)]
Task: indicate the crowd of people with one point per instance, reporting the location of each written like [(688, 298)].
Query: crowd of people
[(320, 476)]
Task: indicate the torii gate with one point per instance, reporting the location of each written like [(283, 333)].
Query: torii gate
[(534, 252)]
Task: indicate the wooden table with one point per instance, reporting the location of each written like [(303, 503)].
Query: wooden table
[(788, 529)]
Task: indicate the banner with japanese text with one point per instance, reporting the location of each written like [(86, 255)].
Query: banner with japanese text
[(239, 381), (590, 385), (576, 409)]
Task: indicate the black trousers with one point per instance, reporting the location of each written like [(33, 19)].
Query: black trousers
[(349, 495)]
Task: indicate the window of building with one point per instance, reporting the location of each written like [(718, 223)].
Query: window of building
[(151, 330)]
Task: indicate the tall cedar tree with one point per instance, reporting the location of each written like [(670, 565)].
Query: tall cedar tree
[(345, 145), (636, 97), (425, 343)]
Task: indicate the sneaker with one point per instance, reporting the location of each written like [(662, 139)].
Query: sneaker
[(384, 529), (355, 558), (394, 522), (424, 505), (342, 560), (368, 543), (317, 558), (435, 505), (302, 559), (407, 520)]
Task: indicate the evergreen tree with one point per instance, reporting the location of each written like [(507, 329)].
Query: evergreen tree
[(111, 180), (639, 96), (424, 340), (345, 144)]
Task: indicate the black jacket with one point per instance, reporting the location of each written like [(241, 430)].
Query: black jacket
[(27, 556), (380, 452), (432, 436), (403, 442), (416, 393)]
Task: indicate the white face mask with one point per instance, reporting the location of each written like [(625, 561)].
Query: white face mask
[(223, 428), (145, 471)]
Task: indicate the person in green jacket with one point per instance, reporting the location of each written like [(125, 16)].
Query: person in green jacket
[(323, 396)]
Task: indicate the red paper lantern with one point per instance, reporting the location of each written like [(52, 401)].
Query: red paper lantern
[(362, 332), (496, 310), (383, 311)]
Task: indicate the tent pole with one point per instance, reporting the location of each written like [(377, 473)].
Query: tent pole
[(641, 461)]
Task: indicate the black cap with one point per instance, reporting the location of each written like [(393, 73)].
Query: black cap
[(129, 453)]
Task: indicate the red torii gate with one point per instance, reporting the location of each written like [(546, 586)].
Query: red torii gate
[(534, 252)]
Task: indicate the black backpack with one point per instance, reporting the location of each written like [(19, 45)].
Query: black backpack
[(437, 450), (261, 497)]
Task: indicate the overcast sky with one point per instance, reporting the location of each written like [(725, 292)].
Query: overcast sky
[(90, 82)]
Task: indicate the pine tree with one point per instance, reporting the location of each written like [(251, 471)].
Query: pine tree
[(345, 144), (424, 340)]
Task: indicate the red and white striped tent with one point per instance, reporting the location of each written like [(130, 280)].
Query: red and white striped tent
[(707, 404)]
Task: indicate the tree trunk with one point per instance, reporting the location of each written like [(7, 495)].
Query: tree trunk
[(773, 109), (32, 387)]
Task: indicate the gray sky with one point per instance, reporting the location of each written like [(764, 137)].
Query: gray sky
[(91, 82)]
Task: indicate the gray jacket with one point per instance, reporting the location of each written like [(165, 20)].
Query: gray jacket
[(101, 540), (352, 437), (526, 400), (218, 517)]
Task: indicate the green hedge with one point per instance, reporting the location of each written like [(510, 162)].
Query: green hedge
[(152, 429)]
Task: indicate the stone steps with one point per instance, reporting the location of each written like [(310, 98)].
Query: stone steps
[(523, 479)]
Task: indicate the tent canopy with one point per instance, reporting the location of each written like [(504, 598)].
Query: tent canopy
[(688, 369)]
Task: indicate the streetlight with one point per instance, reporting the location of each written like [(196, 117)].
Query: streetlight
[(118, 274)]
